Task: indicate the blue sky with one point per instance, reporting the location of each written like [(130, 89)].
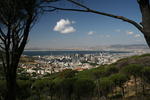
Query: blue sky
[(65, 29)]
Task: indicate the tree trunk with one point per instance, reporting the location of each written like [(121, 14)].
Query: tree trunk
[(143, 86), (135, 82), (145, 11), (11, 86), (98, 89), (123, 91), (11, 76), (147, 38)]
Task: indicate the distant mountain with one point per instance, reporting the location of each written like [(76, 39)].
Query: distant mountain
[(101, 47), (132, 46)]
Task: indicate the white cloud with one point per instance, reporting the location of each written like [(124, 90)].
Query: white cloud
[(68, 29), (64, 26), (91, 32), (130, 32), (137, 35)]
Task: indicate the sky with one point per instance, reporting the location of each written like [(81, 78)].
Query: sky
[(66, 29)]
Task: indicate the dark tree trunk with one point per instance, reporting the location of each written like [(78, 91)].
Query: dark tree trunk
[(12, 61), (11, 87), (11, 77), (143, 88), (145, 11), (147, 38)]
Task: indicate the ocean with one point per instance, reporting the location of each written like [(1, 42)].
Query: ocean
[(46, 53)]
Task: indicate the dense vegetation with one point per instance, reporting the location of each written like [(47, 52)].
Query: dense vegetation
[(127, 79)]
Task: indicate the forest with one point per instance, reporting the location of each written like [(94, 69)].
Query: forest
[(127, 79)]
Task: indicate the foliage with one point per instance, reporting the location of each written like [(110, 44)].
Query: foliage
[(84, 88), (146, 74), (2, 89), (133, 69), (119, 79), (73, 85), (106, 86), (23, 89)]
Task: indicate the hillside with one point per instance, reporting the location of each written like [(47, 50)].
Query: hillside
[(143, 60), (127, 79)]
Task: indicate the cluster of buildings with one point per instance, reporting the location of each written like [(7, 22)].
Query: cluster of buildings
[(79, 62)]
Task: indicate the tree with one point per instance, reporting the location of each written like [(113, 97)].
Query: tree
[(40, 88), (83, 88), (67, 88), (106, 86), (100, 72), (119, 79), (23, 89), (133, 70), (16, 19), (146, 74), (143, 27), (145, 77)]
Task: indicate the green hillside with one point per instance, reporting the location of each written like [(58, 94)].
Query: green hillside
[(127, 79)]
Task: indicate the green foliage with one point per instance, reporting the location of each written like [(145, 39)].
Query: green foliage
[(73, 85), (23, 75), (42, 87), (111, 70), (106, 85), (145, 55), (68, 73), (86, 74), (24, 89), (119, 79), (2, 89), (84, 87), (146, 74), (99, 72), (1, 72), (133, 69), (67, 88)]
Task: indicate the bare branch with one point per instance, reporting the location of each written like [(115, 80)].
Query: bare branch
[(3, 20), (3, 61), (2, 35), (66, 9), (1, 38), (79, 4), (138, 26), (25, 34), (2, 47), (86, 9)]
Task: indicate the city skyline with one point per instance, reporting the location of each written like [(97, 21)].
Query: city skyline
[(65, 29)]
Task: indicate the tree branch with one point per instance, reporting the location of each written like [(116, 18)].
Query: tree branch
[(2, 35), (25, 34), (138, 26), (86, 9), (77, 3), (58, 8), (2, 47), (3, 61)]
